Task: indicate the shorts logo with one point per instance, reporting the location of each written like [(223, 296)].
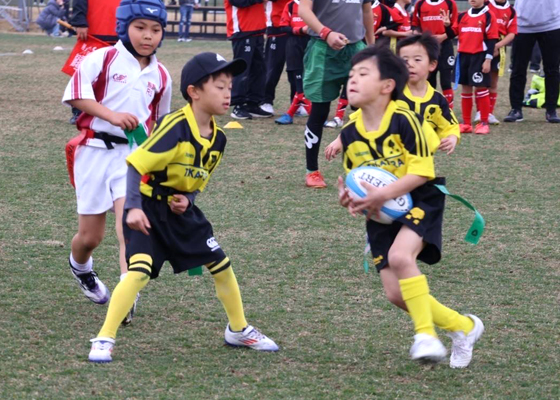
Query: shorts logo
[(477, 77), (119, 78), (213, 244), (451, 60), (310, 138), (377, 260), (416, 215)]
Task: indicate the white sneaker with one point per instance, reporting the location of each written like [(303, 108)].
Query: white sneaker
[(477, 117), (101, 349), (301, 112), (427, 348), (267, 107), (180, 39), (128, 319), (462, 347), (492, 120), (91, 286), (250, 337), (187, 40), (334, 123)]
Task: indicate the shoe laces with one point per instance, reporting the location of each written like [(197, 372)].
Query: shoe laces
[(88, 279), (460, 345), (254, 334), (103, 345)]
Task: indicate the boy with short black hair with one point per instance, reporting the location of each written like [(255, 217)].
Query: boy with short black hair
[(162, 223), (477, 31), (118, 88), (397, 140)]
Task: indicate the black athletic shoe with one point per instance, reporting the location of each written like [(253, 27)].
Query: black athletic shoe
[(552, 117), (257, 111), (240, 112), (514, 116)]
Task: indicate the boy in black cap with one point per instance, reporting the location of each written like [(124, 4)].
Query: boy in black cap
[(161, 221)]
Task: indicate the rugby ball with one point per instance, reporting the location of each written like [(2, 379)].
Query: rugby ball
[(392, 209)]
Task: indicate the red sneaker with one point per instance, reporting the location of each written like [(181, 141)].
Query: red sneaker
[(315, 180), (465, 128), (482, 129)]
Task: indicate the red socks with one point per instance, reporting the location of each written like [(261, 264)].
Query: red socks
[(483, 103), (493, 98), (466, 105), (448, 93), (341, 108), (299, 99)]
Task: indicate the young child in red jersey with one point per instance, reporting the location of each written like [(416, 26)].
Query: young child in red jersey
[(292, 24), (478, 33), (506, 19), (427, 17), (402, 20)]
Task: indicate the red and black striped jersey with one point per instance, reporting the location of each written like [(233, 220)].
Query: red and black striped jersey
[(244, 18), (474, 29), (506, 17), (290, 16), (274, 10)]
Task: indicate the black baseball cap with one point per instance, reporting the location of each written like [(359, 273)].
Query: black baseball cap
[(204, 64)]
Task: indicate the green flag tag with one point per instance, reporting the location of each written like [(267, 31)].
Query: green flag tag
[(195, 271), (367, 250), (137, 135), (477, 227)]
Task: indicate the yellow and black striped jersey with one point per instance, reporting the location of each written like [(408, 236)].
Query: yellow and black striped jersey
[(176, 156), (402, 145), (434, 108)]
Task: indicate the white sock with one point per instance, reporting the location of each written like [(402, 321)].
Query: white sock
[(123, 276), (82, 268)]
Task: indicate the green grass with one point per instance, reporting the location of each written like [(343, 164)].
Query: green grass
[(297, 256)]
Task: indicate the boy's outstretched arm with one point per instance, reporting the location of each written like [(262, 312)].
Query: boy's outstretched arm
[(92, 107)]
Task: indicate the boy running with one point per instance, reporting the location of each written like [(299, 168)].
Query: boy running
[(162, 221), (117, 88), (478, 33), (395, 139)]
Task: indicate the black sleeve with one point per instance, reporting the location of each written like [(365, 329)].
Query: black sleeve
[(191, 197), (133, 198), (490, 45), (79, 14), (244, 3), (450, 32)]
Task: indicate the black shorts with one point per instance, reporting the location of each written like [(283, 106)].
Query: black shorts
[(425, 218), (186, 241), (446, 59), (471, 70), (295, 49)]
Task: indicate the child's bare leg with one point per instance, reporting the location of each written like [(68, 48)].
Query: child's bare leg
[(119, 211), (91, 229), (392, 289)]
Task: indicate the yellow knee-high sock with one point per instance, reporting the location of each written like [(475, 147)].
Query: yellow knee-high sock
[(416, 293), (448, 319), (125, 293), (228, 293)]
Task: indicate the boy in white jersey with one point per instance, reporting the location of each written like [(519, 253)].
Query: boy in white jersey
[(120, 89)]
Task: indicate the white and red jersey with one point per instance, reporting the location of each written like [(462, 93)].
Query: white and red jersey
[(383, 16), (290, 16), (403, 19), (473, 29), (427, 15), (244, 18), (506, 17), (112, 77), (274, 10)]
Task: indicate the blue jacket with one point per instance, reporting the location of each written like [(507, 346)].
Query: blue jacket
[(50, 15)]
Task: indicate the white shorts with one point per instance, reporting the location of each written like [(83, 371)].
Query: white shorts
[(100, 177)]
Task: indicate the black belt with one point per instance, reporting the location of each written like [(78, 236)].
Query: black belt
[(110, 139)]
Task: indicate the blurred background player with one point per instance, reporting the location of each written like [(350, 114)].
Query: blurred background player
[(337, 32), (275, 53), (478, 33), (117, 88), (246, 25), (427, 17), (401, 26), (292, 24), (506, 18), (186, 8)]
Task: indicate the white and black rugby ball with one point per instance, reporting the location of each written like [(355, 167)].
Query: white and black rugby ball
[(392, 209)]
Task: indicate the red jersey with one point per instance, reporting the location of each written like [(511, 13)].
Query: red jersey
[(274, 11), (506, 17), (291, 18), (102, 17), (244, 18), (473, 29), (403, 19), (382, 16), (427, 15)]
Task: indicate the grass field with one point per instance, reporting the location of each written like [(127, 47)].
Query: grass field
[(297, 255)]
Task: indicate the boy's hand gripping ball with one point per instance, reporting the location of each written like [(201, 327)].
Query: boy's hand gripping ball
[(392, 209)]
